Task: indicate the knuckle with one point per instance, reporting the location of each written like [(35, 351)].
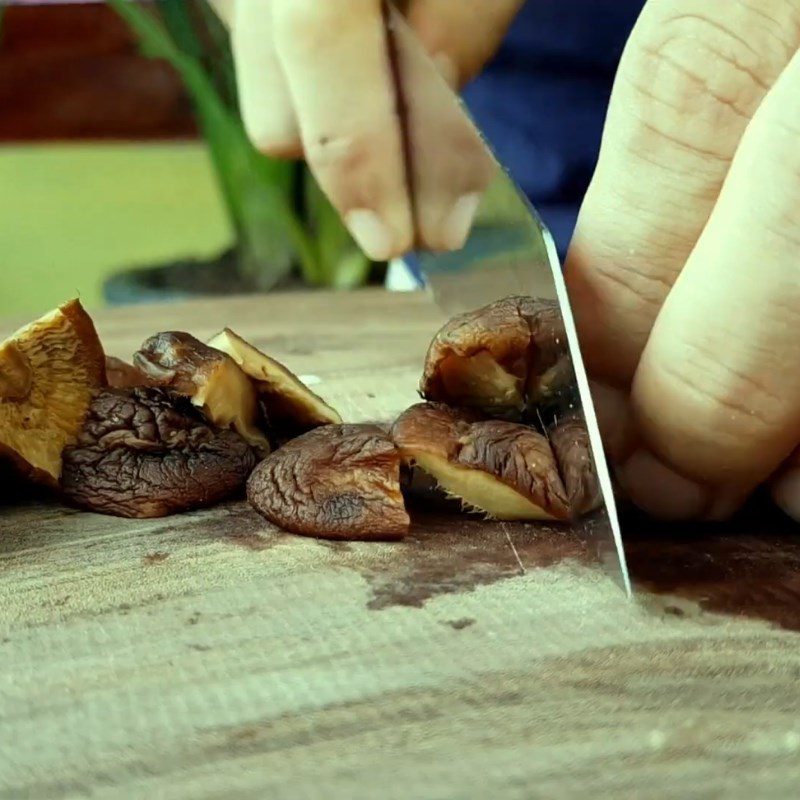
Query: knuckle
[(725, 404), (696, 72), (347, 153), (308, 24)]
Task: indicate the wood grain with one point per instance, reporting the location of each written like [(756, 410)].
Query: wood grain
[(210, 655)]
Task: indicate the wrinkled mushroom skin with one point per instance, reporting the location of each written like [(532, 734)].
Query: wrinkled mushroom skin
[(570, 441), (335, 482), (49, 372), (506, 470), (501, 359), (146, 452), (180, 362)]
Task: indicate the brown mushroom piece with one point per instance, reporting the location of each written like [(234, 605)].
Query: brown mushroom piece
[(121, 375), (335, 482), (146, 452), (569, 438), (49, 371), (502, 469), (503, 359), (181, 363), (290, 406)]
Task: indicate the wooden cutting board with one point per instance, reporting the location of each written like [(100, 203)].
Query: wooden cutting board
[(210, 655)]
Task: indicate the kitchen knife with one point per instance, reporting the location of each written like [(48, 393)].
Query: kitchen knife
[(510, 252)]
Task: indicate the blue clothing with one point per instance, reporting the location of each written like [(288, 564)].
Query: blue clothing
[(542, 101)]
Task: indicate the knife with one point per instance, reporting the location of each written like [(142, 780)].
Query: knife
[(510, 252)]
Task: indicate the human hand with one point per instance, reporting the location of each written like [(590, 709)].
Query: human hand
[(315, 80), (685, 266)]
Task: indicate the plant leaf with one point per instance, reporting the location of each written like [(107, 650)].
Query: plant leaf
[(258, 191)]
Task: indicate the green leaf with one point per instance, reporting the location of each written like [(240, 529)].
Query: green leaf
[(258, 191), (341, 264)]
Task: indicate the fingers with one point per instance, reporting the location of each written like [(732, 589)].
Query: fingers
[(335, 59), (264, 99), (461, 36), (692, 75), (342, 81), (450, 165), (717, 391)]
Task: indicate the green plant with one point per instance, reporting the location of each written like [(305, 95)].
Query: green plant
[(283, 221)]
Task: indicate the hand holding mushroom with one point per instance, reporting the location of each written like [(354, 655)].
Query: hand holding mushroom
[(684, 268)]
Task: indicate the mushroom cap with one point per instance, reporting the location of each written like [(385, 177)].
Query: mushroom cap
[(335, 482), (147, 452), (500, 358), (49, 371), (569, 438), (212, 380), (503, 469), (290, 405)]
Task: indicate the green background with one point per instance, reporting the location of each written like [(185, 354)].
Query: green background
[(73, 214)]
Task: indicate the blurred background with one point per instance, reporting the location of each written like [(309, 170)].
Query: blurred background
[(126, 175)]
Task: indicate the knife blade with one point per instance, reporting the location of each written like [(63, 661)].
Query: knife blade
[(510, 252)]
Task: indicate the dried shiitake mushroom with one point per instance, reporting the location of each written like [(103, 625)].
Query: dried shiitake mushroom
[(49, 371), (503, 469), (291, 407), (502, 359), (569, 438), (121, 375), (183, 364), (335, 482), (147, 452)]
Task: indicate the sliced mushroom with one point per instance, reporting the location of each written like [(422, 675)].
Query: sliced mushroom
[(147, 452), (49, 371), (569, 438), (503, 469), (121, 375), (291, 407), (335, 482), (502, 358), (183, 364)]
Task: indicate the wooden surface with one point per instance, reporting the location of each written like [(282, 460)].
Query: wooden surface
[(209, 655)]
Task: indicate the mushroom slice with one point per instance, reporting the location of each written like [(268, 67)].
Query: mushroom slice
[(505, 470), (121, 375), (335, 482), (183, 364), (501, 358), (569, 438), (291, 407), (49, 371), (147, 452)]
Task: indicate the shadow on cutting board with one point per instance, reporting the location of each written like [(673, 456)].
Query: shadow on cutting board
[(748, 567)]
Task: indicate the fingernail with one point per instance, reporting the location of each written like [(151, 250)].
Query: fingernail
[(786, 493), (458, 224), (372, 234), (659, 490), (447, 69)]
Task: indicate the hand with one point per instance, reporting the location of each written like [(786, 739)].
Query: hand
[(685, 267), (315, 80)]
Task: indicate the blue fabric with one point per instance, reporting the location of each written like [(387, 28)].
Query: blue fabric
[(542, 101)]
